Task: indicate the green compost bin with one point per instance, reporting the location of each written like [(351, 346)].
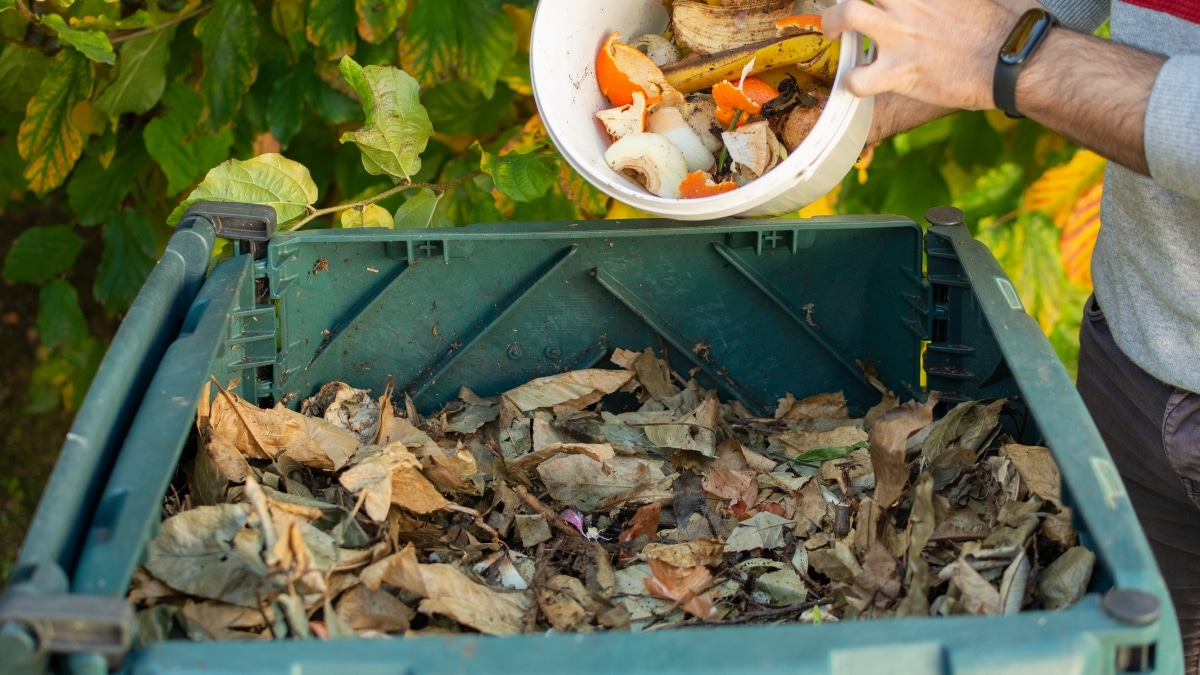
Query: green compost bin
[(758, 308)]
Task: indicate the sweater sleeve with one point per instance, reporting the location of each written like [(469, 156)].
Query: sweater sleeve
[(1172, 128), (1084, 16)]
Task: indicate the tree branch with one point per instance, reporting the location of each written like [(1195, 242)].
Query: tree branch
[(439, 188), (166, 24)]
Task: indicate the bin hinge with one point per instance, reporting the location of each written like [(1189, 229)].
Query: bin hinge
[(34, 624), (250, 225)]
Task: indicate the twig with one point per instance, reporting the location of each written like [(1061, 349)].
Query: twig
[(25, 12), (772, 613), (407, 185), (166, 24), (533, 503)]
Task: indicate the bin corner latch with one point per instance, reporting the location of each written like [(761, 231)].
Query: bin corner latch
[(251, 225), (33, 624)]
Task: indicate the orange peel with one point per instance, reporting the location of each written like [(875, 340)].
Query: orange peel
[(799, 23), (699, 184), (747, 98), (622, 69)]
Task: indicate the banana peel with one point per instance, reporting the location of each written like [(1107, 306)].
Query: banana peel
[(707, 29), (812, 54)]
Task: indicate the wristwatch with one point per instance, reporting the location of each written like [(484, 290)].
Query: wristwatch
[(1024, 39)]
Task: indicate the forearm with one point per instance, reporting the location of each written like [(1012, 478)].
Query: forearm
[(1093, 91), (895, 114)]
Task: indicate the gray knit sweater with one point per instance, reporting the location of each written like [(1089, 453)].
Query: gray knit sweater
[(1146, 266)]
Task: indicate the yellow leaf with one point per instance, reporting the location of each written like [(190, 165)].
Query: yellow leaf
[(48, 141), (825, 206), (622, 211), (1078, 236), (522, 21), (1057, 190)]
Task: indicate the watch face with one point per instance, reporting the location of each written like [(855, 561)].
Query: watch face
[(1025, 36)]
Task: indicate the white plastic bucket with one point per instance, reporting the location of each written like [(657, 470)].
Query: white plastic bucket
[(567, 35)]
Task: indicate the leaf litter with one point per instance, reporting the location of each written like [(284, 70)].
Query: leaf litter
[(600, 499)]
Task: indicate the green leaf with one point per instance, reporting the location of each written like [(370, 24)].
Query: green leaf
[(826, 453), (7, 4), (332, 105), (523, 177), (554, 205), (927, 134), (48, 140), (139, 19), (996, 192), (229, 35), (469, 202), (267, 179), (21, 70), (973, 141), (286, 111), (41, 253), (486, 41), (141, 76), (457, 107), (62, 378), (129, 255), (418, 212), (168, 141), (371, 215), (12, 182), (397, 127), (377, 21), (1027, 249), (60, 320), (287, 18), (93, 44), (13, 25), (95, 192), (331, 26), (429, 50), (444, 40)]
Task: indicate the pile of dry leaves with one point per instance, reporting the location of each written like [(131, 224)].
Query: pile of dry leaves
[(549, 508)]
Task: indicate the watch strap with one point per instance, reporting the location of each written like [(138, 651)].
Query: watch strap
[(1028, 34)]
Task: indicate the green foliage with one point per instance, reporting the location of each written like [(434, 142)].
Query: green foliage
[(407, 114), (42, 253), (985, 164)]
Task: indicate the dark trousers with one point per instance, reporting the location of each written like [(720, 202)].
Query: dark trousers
[(1152, 430)]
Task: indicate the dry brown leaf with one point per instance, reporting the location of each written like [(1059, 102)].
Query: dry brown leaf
[(826, 406), (589, 485), (886, 446), (706, 552), (577, 388), (695, 431), (452, 471), (686, 586), (1038, 470), (976, 595), (448, 592), (567, 604), (378, 610), (879, 581), (220, 621), (597, 451), (267, 433), (225, 456), (735, 487), (644, 523), (654, 375)]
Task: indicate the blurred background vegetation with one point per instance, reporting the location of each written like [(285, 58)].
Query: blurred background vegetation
[(115, 110)]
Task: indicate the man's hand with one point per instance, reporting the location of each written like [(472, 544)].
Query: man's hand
[(940, 52)]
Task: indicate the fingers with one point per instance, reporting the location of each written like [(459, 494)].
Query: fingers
[(853, 15)]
